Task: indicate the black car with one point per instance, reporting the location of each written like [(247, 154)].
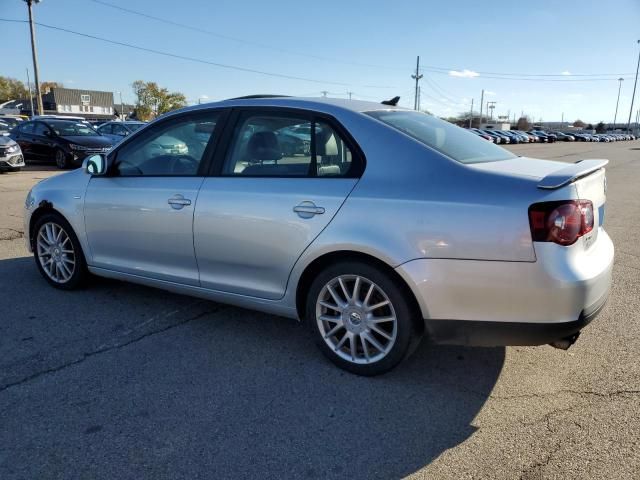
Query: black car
[(67, 142)]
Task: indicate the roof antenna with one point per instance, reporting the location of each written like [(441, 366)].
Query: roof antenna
[(393, 102)]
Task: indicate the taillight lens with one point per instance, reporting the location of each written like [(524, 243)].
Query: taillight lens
[(560, 222)]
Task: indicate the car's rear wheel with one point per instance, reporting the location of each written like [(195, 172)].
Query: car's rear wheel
[(62, 161), (58, 253), (360, 318)]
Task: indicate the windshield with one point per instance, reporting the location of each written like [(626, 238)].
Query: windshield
[(65, 128), (451, 140)]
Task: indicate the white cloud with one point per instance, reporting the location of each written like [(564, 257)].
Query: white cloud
[(566, 72), (464, 73)]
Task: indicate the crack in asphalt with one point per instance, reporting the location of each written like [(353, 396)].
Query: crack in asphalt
[(567, 392), (105, 349)]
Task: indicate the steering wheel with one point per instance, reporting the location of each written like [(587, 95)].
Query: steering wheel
[(184, 165), (125, 167)]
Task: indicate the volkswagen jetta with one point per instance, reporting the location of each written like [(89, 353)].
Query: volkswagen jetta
[(391, 226)]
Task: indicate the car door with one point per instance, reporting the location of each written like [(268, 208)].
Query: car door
[(139, 217), (24, 137), (43, 142), (270, 196)]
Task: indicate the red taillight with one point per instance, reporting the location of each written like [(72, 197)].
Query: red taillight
[(560, 222)]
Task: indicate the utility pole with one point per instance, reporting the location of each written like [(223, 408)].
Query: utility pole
[(620, 80), (562, 121), (30, 94), (417, 78), (35, 56), (471, 115), (634, 90), (481, 103), (491, 106), (349, 93)]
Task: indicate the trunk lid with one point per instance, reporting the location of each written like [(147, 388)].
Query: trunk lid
[(587, 176)]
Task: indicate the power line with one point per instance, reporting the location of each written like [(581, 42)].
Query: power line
[(239, 40), (334, 60), (182, 57)]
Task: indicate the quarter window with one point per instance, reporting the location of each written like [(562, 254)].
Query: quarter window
[(175, 147), (286, 146)]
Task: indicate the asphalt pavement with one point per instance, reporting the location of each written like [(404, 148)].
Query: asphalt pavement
[(122, 381)]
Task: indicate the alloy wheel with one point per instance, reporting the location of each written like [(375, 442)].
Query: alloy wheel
[(356, 319), (55, 252)]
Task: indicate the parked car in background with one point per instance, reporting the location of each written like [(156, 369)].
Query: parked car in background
[(502, 137), (564, 137), (482, 134), (372, 238), (540, 136), (66, 142), (11, 121), (547, 138), (11, 158), (116, 131), (4, 129)]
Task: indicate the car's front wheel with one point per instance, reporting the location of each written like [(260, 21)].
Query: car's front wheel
[(58, 253), (360, 318)]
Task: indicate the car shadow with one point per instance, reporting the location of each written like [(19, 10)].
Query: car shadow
[(123, 378)]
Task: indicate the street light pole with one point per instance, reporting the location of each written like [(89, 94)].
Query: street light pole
[(35, 56), (620, 80), (634, 91)]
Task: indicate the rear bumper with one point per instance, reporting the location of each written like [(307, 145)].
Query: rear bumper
[(475, 302), (494, 334)]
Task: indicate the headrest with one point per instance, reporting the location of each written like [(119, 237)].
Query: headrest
[(326, 146), (264, 146)]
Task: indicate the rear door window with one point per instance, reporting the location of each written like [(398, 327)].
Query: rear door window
[(287, 145)]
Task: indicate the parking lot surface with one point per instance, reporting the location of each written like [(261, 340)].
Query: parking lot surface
[(122, 381)]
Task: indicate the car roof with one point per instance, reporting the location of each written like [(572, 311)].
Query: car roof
[(304, 103)]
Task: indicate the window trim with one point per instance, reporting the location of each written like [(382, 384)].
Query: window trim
[(144, 133), (358, 159)]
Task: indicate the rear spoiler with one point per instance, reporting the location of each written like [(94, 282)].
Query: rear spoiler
[(571, 173)]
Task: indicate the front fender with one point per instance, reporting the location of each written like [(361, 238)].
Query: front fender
[(63, 194)]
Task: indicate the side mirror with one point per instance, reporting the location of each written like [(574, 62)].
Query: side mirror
[(95, 165)]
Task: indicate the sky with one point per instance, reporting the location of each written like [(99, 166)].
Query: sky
[(527, 56)]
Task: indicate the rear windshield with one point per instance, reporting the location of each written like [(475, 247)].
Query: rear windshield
[(446, 138)]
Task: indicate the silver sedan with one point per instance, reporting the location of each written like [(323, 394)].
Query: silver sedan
[(381, 226)]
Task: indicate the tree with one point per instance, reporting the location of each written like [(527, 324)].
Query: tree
[(151, 100), (579, 123), (46, 87), (600, 128), (589, 127), (523, 124), (12, 89)]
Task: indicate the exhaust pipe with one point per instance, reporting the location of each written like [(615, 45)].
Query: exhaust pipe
[(566, 342)]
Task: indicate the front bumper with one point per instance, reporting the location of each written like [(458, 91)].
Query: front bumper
[(11, 162), (475, 302)]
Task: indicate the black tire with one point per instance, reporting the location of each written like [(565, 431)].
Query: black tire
[(80, 274), (405, 333), (62, 159)]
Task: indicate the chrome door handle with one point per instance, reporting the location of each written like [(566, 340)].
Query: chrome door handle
[(178, 201), (308, 209)]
